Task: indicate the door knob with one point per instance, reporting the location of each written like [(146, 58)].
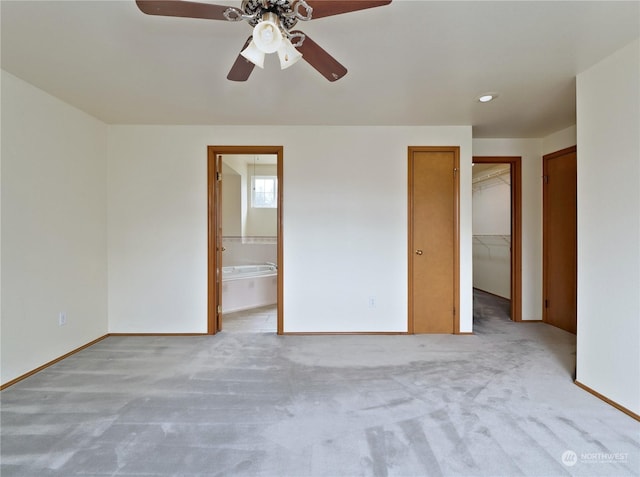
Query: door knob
[(418, 252)]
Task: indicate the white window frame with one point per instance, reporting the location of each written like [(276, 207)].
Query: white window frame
[(273, 204)]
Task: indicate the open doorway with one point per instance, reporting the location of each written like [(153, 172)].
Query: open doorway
[(245, 246), (496, 200)]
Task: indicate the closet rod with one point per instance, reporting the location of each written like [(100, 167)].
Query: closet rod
[(491, 175)]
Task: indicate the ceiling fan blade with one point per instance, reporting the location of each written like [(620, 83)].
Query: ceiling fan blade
[(326, 8), (322, 61), (242, 67), (182, 8)]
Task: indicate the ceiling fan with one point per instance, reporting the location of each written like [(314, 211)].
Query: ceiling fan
[(272, 21)]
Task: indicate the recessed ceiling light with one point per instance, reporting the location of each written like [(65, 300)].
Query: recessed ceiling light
[(486, 97)]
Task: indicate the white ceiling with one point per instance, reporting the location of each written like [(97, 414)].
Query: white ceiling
[(410, 63)]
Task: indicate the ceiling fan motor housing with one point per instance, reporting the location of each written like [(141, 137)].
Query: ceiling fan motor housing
[(282, 8)]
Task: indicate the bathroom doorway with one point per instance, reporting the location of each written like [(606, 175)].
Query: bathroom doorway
[(245, 239), (497, 241)]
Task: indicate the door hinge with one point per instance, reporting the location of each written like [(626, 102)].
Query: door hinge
[(546, 303), (545, 179), (218, 176), (219, 308), (455, 171), (454, 311)]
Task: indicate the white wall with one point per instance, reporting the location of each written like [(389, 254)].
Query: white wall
[(237, 192), (54, 248), (492, 206), (344, 224), (231, 202), (250, 235), (531, 152), (559, 140), (608, 341)]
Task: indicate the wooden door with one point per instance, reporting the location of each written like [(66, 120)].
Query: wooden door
[(214, 217), (219, 245), (433, 239), (560, 239)]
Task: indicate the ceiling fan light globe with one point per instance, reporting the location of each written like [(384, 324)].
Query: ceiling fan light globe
[(267, 36), (287, 54), (254, 54)]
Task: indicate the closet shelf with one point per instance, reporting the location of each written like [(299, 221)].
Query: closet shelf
[(489, 241), (499, 176)]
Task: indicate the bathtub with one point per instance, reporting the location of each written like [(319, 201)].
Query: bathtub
[(249, 286)]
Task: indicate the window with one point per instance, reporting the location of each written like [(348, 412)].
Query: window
[(264, 192)]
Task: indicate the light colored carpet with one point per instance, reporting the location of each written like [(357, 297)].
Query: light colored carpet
[(498, 403)]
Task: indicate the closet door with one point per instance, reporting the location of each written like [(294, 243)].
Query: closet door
[(560, 239), (433, 240)]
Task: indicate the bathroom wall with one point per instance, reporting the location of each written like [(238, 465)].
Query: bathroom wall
[(249, 234), (261, 222), (249, 250), (232, 210)]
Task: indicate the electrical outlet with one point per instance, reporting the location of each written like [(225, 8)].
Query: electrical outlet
[(62, 318), (372, 302)]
